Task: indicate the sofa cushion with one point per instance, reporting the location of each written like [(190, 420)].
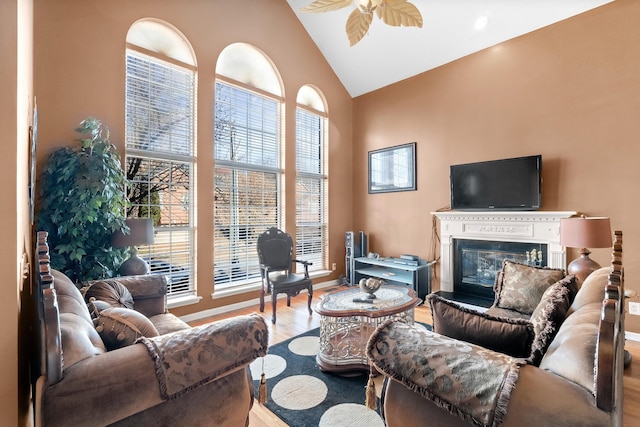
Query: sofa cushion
[(548, 316), (120, 327), (505, 335), (520, 287), (110, 291)]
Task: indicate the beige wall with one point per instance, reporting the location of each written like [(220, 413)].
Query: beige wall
[(16, 87), (79, 51), (570, 92)]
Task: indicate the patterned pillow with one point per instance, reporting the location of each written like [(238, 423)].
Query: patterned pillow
[(549, 315), (120, 327), (110, 291), (509, 336), (467, 380), (520, 287)]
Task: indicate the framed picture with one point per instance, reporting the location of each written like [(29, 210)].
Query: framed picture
[(393, 169), (33, 136)]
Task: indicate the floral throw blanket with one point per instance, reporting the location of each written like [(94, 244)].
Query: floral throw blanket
[(467, 380), (189, 358)]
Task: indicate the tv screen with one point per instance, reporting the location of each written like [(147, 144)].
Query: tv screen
[(506, 184)]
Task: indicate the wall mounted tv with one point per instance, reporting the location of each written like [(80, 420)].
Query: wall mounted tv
[(505, 184)]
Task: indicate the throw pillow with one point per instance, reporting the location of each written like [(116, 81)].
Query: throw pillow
[(548, 316), (96, 306), (119, 327), (520, 286), (110, 291), (513, 337)]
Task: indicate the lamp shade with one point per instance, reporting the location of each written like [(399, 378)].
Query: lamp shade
[(141, 233), (585, 232)]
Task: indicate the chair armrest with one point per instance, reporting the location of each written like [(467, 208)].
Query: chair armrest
[(504, 335), (465, 379), (306, 265), (106, 388)]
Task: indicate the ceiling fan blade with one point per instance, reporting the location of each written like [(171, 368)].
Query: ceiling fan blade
[(357, 25), (325, 6), (399, 13)]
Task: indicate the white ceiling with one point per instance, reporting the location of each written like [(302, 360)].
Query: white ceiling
[(389, 54)]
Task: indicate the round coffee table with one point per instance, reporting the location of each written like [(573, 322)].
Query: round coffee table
[(345, 325)]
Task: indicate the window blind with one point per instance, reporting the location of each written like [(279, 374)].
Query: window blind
[(311, 190), (160, 159), (247, 180)]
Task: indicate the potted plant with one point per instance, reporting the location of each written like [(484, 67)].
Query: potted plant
[(82, 203)]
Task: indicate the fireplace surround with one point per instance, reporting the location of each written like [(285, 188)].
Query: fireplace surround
[(514, 233)]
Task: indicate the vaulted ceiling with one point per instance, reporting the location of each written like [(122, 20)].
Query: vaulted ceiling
[(451, 29)]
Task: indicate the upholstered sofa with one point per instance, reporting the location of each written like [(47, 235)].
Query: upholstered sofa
[(575, 379), (103, 363)]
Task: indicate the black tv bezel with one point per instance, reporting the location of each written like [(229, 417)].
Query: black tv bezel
[(532, 207)]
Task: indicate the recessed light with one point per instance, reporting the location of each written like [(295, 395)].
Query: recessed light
[(481, 22)]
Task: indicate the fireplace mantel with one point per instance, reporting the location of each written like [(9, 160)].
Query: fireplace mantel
[(512, 226)]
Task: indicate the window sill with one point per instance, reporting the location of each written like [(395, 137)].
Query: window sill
[(173, 302)]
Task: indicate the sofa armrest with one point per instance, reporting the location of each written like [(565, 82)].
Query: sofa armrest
[(464, 379), (106, 388), (185, 359), (149, 292)]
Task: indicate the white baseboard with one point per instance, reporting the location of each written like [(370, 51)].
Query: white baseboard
[(244, 304), (632, 336)]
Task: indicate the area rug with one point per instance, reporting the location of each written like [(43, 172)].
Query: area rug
[(302, 395)]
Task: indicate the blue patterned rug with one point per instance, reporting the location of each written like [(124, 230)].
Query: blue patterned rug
[(302, 395)]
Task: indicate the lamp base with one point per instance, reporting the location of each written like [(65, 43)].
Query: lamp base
[(582, 266), (134, 266)]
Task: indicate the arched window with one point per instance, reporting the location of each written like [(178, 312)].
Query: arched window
[(248, 160), (160, 145), (311, 179)]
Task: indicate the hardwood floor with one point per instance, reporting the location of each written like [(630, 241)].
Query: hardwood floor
[(295, 320)]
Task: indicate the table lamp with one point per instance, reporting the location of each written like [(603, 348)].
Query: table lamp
[(141, 233), (584, 232)]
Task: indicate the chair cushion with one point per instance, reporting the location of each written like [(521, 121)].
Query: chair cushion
[(548, 316), (505, 335), (110, 291), (120, 327), (520, 287)]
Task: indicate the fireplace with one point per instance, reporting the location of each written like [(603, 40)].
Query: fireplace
[(478, 242), (477, 262)]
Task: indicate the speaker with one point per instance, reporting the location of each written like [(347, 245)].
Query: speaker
[(350, 249), (364, 244)]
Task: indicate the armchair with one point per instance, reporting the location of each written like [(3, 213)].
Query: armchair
[(141, 366), (275, 251)]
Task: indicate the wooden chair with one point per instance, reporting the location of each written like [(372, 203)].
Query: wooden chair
[(275, 252)]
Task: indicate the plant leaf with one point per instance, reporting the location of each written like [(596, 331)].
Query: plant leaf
[(325, 6), (399, 13), (358, 25)]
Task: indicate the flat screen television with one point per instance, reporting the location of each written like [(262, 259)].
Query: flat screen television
[(505, 184)]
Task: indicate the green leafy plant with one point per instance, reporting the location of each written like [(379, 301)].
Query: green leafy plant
[(82, 203)]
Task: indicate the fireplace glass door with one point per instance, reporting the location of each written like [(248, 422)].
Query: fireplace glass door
[(477, 262)]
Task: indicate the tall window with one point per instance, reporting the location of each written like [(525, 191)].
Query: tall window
[(311, 180), (247, 162), (160, 146)]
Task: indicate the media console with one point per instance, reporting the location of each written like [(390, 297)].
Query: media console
[(396, 271)]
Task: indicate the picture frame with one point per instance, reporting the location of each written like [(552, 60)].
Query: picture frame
[(393, 169), (33, 139)]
